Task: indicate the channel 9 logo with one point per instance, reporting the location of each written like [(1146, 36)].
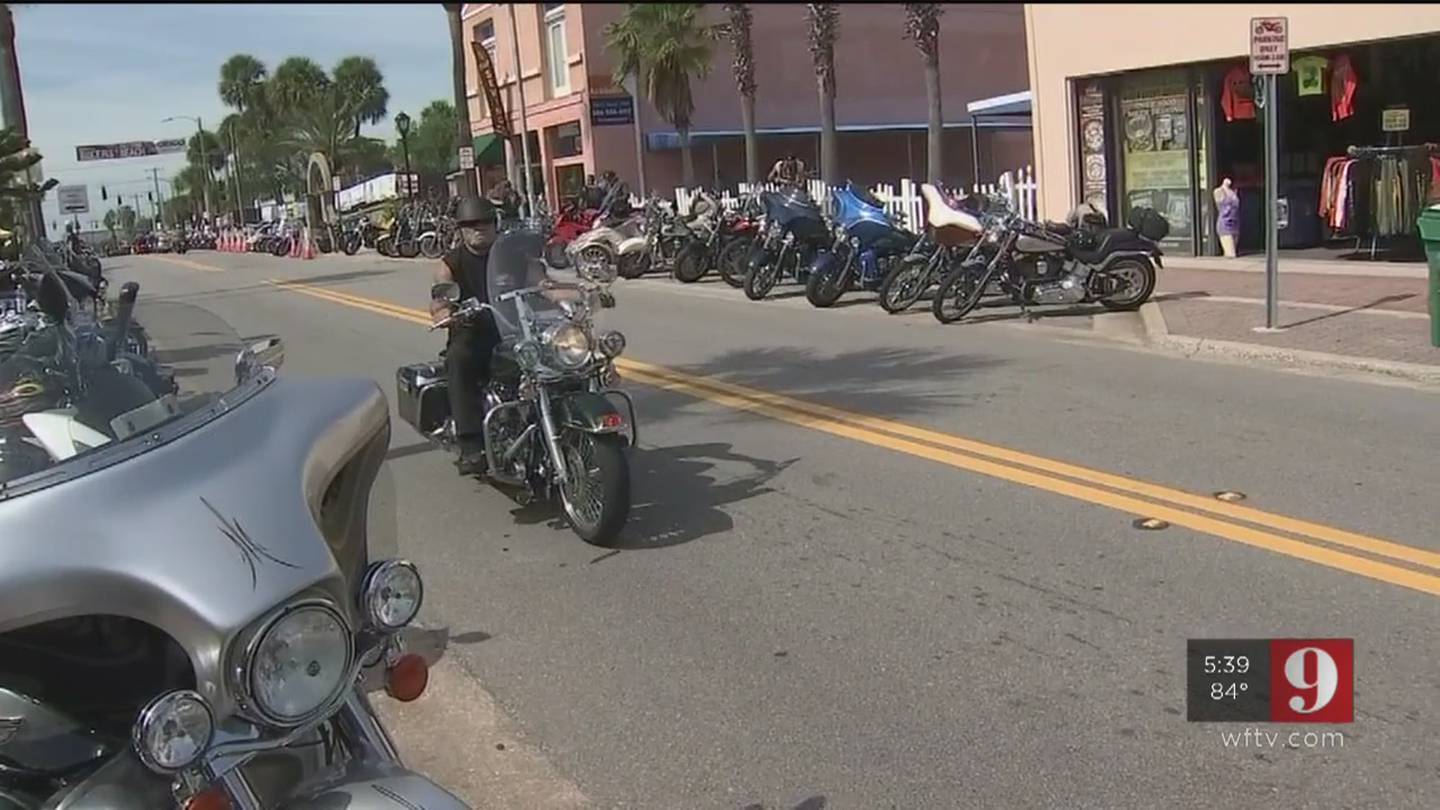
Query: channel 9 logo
[(1281, 680)]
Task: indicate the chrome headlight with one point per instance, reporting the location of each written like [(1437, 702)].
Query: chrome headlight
[(527, 353), (298, 664), (173, 731), (568, 344), (391, 595), (612, 343)]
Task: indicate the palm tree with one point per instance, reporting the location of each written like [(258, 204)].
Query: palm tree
[(360, 83), (922, 26), (744, 47), (16, 191), (462, 104), (664, 45), (824, 19), (242, 81)]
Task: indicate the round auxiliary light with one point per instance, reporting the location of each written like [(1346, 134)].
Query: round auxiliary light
[(391, 594), (173, 731)]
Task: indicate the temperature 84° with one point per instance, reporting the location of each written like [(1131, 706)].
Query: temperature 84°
[(1231, 691)]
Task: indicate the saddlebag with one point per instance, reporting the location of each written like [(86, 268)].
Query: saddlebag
[(422, 396), (1149, 223)]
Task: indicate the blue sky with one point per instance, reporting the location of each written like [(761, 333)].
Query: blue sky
[(110, 73)]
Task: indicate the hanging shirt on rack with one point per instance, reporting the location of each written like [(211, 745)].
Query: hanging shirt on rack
[(1237, 98), (1310, 72), (1342, 89)]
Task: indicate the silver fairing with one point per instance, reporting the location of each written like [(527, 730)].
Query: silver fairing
[(201, 536)]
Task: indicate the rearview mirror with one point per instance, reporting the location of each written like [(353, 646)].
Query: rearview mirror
[(269, 352), (445, 291)]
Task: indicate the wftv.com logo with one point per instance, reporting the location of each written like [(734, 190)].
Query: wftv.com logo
[(1277, 680)]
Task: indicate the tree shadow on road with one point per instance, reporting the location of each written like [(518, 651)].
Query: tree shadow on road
[(677, 493), (884, 381), (813, 803)]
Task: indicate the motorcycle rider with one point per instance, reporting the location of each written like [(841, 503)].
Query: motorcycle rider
[(788, 170), (468, 351), (616, 203), (504, 198)]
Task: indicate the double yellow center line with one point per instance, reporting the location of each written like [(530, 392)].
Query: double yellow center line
[(1336, 548)]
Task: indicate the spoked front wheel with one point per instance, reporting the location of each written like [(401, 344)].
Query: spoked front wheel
[(959, 292), (904, 284), (596, 496)]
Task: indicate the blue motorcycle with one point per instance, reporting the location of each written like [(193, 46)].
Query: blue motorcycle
[(867, 242)]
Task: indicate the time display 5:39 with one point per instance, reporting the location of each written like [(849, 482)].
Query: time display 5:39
[(1226, 664)]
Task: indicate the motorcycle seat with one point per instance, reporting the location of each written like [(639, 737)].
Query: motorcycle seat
[(941, 215), (1108, 241)]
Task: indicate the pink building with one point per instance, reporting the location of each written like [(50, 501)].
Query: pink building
[(580, 123)]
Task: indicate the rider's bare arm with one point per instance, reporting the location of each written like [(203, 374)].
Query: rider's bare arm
[(440, 308)]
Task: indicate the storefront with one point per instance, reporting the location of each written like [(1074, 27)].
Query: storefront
[(1354, 170)]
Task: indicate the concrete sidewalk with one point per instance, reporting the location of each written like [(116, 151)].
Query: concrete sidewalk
[(1362, 322)]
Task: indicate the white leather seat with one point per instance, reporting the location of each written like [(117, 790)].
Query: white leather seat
[(940, 215)]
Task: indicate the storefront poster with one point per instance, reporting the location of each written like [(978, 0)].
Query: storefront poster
[(1156, 129), (1094, 177)]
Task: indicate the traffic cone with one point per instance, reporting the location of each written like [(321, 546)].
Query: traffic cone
[(309, 245)]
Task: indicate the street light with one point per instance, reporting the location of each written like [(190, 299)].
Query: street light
[(204, 153), (402, 124)]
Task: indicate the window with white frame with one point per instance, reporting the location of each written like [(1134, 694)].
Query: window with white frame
[(557, 55), (485, 35)]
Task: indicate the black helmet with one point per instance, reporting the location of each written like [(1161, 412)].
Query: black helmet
[(474, 210)]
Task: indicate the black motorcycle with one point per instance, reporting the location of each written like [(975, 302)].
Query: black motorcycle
[(550, 424), (795, 230), (1058, 263)]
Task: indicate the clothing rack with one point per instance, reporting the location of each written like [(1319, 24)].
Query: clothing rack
[(1373, 152)]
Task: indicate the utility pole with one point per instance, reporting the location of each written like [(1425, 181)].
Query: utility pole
[(159, 198), (524, 123), (12, 110)]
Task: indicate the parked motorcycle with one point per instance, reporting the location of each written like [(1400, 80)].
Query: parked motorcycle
[(1058, 263), (659, 242), (596, 252), (550, 423), (795, 230), (952, 237), (868, 243), (231, 670), (568, 226)]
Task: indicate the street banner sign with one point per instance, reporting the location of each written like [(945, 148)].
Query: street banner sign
[(129, 149), (499, 120), (73, 199), (1269, 46)]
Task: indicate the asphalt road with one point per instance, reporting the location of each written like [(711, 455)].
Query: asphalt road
[(912, 580)]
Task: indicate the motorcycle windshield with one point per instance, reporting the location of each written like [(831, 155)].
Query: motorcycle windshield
[(68, 407), (517, 263)]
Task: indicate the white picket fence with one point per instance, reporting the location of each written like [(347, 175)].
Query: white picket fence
[(902, 200)]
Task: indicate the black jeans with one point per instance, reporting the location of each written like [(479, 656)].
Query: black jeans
[(467, 361)]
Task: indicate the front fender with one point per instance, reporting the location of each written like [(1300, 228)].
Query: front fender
[(591, 413), (635, 244), (397, 790)]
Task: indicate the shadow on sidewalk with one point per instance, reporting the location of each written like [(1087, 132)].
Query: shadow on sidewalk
[(1389, 299)]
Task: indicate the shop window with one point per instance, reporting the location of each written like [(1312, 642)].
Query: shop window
[(567, 140), (1156, 127), (569, 181), (558, 56)]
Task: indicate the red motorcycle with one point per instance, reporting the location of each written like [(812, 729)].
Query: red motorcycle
[(568, 226), (722, 243)]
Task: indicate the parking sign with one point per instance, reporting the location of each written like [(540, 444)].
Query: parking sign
[(1269, 46)]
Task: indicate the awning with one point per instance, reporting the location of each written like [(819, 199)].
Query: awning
[(1013, 104), (660, 141), (489, 148)]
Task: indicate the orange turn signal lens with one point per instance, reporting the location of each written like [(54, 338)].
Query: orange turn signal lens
[(212, 798), (407, 678)]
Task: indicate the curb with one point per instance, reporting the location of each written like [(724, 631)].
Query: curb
[(1157, 335)]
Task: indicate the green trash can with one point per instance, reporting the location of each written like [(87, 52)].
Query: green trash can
[(1430, 232)]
